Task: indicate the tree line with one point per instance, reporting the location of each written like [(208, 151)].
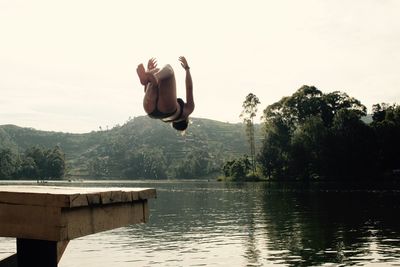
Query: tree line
[(315, 136), (34, 163), (142, 148), (143, 162), (146, 149)]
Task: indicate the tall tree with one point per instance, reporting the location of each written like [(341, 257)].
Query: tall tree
[(308, 133), (38, 154), (248, 114), (308, 149), (55, 163), (275, 148), (8, 163), (386, 124)]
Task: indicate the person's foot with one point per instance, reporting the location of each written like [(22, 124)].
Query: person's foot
[(141, 71)]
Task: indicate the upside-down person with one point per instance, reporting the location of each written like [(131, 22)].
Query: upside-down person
[(160, 100)]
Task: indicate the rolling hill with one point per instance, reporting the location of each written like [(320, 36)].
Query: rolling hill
[(141, 148)]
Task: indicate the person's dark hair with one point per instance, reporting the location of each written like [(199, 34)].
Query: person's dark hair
[(180, 125)]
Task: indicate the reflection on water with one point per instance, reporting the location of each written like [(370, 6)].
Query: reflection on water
[(253, 224)]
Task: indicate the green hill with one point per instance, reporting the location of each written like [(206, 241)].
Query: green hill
[(141, 148)]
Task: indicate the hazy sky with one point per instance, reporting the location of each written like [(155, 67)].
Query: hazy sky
[(70, 65)]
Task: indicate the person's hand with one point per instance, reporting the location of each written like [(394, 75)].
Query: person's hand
[(184, 63), (152, 63)]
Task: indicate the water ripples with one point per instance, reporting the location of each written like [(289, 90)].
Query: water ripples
[(216, 224)]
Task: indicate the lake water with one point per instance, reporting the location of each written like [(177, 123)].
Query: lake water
[(250, 224)]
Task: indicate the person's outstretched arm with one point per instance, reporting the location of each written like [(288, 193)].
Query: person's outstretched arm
[(189, 107)]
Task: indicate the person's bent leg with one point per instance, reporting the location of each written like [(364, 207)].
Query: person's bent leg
[(167, 89), (156, 75), (150, 98), (166, 72), (141, 72)]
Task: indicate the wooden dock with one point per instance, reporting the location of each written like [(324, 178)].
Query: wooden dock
[(43, 219)]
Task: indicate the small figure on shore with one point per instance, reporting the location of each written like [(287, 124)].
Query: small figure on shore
[(160, 98)]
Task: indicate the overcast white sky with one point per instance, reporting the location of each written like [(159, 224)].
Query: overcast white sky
[(70, 65)]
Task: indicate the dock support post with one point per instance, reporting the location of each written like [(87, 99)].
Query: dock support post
[(31, 252)]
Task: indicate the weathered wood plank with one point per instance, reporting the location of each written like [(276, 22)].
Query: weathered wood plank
[(34, 198), (52, 223), (76, 200), (32, 222), (147, 193), (93, 199), (85, 221), (71, 196), (146, 211)]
